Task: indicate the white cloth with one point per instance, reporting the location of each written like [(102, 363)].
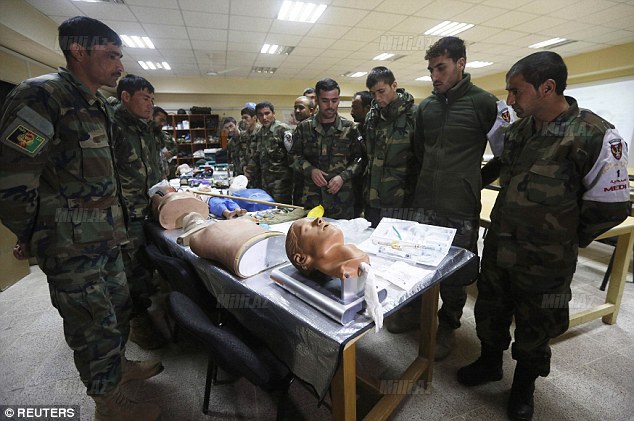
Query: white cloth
[(373, 305)]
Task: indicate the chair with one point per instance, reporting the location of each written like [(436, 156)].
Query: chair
[(181, 277), (255, 363)]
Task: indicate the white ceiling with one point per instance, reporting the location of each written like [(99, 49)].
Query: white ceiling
[(198, 36)]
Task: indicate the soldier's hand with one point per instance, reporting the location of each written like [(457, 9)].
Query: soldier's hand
[(19, 251), (335, 184), (317, 176)]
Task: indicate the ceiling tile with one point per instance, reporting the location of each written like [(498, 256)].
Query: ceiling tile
[(211, 6), (443, 9), (218, 35), (357, 4), (403, 7), (510, 19), (291, 28), (546, 7), (250, 37), (106, 11), (206, 20), (415, 25), (199, 44), (347, 45), (479, 14), (342, 16), (125, 27), (165, 44), (166, 4), (328, 31), (480, 33), (241, 23), (263, 8), (315, 42), (62, 8), (282, 39), (306, 51), (604, 16), (162, 16), (362, 34), (165, 31), (587, 7), (377, 20)]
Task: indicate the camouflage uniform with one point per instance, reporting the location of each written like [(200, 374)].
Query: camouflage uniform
[(450, 137), (166, 141), (137, 158), (337, 150), (270, 165), (59, 194), (561, 187), (244, 151), (389, 181), (233, 147)]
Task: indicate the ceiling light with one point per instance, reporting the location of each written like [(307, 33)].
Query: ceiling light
[(354, 74), (477, 64), (448, 28), (549, 43), (297, 11), (149, 65), (134, 41), (276, 49), (383, 56), (424, 78)]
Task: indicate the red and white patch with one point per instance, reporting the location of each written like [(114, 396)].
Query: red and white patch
[(616, 147)]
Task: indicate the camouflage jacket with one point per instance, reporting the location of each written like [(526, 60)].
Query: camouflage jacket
[(244, 146), (137, 158), (58, 186), (561, 187), (449, 140), (166, 141), (389, 182), (233, 148), (270, 165), (338, 151)]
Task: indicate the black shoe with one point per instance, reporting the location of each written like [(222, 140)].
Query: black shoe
[(521, 403), (487, 368)]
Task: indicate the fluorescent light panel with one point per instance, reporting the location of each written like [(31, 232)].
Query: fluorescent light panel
[(547, 43), (477, 64), (150, 65), (266, 70), (448, 28), (276, 49), (355, 74), (424, 78), (383, 56), (134, 41), (297, 11)]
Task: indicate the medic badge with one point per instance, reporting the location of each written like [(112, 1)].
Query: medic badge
[(616, 147), (506, 116), (26, 140)]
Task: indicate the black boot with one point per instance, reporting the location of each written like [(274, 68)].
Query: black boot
[(520, 406), (487, 368)]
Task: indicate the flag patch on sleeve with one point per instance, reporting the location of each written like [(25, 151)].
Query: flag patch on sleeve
[(26, 140)]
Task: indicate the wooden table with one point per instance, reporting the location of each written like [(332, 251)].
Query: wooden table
[(622, 257)]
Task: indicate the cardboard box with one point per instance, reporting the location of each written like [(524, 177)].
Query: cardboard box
[(12, 269)]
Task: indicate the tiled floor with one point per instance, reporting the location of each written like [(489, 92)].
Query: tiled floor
[(592, 374)]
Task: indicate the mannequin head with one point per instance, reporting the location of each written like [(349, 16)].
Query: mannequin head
[(318, 245)]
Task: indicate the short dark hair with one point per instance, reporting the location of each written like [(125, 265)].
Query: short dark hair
[(158, 110), (247, 110), (366, 98), (452, 47), (264, 104), (228, 120), (379, 74), (308, 91), (133, 83), (538, 67), (85, 31), (326, 85)]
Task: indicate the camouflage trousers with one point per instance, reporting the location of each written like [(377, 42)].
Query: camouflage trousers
[(138, 274), (92, 297), (504, 293), (453, 297)]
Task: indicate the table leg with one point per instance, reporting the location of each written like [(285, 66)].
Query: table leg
[(343, 387), (428, 326), (622, 257)]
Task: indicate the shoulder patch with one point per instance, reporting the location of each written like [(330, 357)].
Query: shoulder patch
[(26, 140), (616, 147)]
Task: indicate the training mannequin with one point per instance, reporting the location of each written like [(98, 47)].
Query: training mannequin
[(169, 208), (224, 241), (318, 245)]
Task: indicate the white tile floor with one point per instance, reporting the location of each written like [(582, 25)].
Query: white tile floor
[(592, 374)]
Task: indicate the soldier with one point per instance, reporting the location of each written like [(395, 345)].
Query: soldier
[(137, 159), (361, 104), (563, 173), (251, 126), (59, 194), (270, 165), (168, 148), (452, 128), (230, 126), (389, 128), (329, 152), (303, 108)]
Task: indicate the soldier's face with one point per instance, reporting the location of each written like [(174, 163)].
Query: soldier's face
[(445, 73), (248, 120), (102, 65), (383, 93), (231, 129), (522, 96), (266, 117), (301, 109), (160, 119), (328, 105), (140, 104), (357, 111)]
